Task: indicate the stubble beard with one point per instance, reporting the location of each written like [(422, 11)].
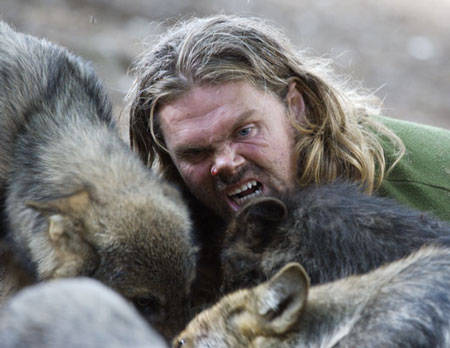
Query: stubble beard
[(272, 186)]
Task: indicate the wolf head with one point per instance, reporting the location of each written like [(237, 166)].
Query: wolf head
[(254, 231), (136, 241), (247, 316)]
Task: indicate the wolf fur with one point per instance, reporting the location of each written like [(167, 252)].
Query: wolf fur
[(13, 276), (333, 230), (76, 312), (403, 304), (78, 201)]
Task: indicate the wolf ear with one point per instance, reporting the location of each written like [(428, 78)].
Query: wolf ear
[(73, 255), (61, 211), (73, 205), (280, 300), (267, 209)]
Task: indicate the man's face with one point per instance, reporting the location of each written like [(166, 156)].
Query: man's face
[(230, 143)]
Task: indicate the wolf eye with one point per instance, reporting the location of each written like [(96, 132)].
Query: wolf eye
[(180, 343), (236, 311), (146, 302), (150, 307)]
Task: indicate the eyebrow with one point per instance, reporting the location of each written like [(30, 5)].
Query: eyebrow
[(187, 150), (242, 118)]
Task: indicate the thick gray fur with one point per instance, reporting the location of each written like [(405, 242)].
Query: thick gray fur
[(78, 200), (405, 304), (72, 313)]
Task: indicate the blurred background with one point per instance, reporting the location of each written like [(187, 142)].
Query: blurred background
[(400, 48)]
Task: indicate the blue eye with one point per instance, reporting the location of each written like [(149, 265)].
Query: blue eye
[(245, 131)]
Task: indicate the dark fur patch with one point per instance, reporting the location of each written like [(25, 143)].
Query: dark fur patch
[(332, 230)]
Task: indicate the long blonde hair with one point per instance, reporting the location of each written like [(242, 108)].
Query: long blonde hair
[(338, 139)]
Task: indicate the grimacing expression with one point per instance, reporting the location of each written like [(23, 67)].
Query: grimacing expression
[(240, 132)]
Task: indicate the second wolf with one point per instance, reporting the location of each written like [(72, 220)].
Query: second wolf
[(78, 201), (332, 230), (404, 304)]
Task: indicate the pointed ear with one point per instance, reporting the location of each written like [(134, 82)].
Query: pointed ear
[(295, 102), (73, 255), (73, 205), (280, 301), (265, 209)]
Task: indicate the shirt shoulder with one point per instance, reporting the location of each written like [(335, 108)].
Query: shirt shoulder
[(421, 178)]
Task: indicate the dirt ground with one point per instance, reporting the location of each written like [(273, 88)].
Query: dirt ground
[(399, 48)]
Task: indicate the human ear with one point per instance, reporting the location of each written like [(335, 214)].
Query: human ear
[(294, 101)]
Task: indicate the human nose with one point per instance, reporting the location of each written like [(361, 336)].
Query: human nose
[(227, 161)]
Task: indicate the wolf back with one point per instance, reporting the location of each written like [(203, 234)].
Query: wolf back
[(36, 74), (403, 304), (333, 230)]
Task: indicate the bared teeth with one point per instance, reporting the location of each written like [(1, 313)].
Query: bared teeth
[(240, 195), (244, 187), (242, 200)]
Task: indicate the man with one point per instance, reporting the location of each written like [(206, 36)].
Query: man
[(229, 110)]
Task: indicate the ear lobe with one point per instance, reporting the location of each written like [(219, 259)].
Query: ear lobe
[(73, 205), (280, 301), (295, 102), (264, 209)]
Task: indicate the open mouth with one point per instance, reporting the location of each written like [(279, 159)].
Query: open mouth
[(245, 192)]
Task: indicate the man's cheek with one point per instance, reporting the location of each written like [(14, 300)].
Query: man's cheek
[(254, 149), (193, 176), (261, 154)]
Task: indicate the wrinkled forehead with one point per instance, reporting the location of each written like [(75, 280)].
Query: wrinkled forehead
[(205, 99)]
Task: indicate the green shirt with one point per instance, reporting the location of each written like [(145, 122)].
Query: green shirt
[(422, 177)]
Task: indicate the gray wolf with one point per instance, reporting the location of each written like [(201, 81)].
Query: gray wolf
[(332, 230), (78, 201), (403, 304)]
